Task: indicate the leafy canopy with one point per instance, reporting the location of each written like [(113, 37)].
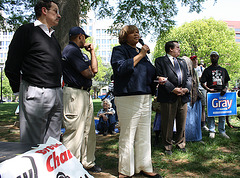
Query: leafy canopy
[(151, 16), (199, 38)]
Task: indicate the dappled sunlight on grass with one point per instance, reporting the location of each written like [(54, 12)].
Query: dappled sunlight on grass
[(217, 157)]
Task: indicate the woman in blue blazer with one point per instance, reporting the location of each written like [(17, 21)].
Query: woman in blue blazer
[(134, 85)]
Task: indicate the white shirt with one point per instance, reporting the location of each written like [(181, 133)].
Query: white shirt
[(171, 59), (199, 71), (44, 28)]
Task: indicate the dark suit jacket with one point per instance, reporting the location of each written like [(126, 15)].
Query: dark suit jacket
[(164, 68)]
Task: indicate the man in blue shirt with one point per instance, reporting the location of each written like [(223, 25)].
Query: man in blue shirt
[(78, 70)]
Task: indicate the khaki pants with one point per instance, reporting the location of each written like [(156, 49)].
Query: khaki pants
[(80, 136), (134, 113), (170, 112)]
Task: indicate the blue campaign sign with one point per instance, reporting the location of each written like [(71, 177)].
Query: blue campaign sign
[(221, 105)]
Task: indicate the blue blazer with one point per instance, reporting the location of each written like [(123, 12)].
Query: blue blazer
[(164, 68), (130, 80)]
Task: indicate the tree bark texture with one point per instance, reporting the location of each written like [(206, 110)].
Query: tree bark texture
[(70, 13)]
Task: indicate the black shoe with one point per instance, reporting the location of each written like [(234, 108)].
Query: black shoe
[(112, 132), (95, 169), (168, 152), (146, 175)]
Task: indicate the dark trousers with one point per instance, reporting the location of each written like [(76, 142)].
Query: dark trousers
[(171, 111)]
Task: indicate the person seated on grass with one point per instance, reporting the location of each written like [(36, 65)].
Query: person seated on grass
[(107, 118)]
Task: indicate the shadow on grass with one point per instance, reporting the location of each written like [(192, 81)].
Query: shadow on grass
[(107, 153), (217, 157)]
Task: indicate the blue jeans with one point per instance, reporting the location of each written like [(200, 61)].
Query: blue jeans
[(109, 125), (221, 124)]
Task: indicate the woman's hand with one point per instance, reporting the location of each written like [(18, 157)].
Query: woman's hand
[(105, 117), (144, 50)]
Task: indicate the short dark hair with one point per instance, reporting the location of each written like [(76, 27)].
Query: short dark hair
[(169, 45), (125, 31), (71, 38), (40, 4)]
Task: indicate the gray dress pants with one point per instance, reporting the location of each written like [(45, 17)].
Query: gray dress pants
[(40, 112)]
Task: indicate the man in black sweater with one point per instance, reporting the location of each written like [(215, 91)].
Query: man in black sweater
[(33, 68)]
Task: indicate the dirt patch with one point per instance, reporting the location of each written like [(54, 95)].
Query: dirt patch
[(9, 132), (224, 150)]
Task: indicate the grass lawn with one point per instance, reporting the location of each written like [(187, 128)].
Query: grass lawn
[(214, 158)]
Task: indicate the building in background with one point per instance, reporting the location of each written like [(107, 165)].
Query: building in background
[(236, 26), (97, 29), (5, 39), (104, 42)]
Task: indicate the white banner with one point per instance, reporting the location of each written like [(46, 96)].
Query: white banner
[(50, 160)]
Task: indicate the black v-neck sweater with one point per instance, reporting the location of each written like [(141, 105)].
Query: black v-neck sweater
[(35, 56)]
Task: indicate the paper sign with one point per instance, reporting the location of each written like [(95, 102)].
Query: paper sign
[(50, 160)]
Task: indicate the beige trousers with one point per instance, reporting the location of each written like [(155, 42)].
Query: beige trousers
[(80, 136), (134, 113)]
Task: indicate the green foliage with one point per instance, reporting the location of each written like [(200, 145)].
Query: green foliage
[(200, 37), (102, 78), (149, 15), (16, 13), (6, 89)]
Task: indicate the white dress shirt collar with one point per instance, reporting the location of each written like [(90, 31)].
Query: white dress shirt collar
[(44, 27), (171, 59)]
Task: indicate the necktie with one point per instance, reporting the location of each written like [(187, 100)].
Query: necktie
[(178, 71)]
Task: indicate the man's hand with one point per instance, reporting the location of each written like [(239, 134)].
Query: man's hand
[(180, 91), (223, 91), (88, 46), (177, 91), (184, 91), (162, 80), (211, 90)]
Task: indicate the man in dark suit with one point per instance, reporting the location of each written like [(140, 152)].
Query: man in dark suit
[(173, 94)]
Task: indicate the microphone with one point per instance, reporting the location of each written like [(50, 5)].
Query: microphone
[(142, 43)]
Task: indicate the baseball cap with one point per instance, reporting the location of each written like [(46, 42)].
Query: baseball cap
[(76, 31), (193, 57), (214, 53)]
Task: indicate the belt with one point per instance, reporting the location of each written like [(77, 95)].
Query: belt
[(78, 87)]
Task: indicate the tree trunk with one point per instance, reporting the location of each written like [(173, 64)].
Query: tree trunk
[(70, 17)]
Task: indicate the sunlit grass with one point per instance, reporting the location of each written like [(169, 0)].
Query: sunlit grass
[(217, 157)]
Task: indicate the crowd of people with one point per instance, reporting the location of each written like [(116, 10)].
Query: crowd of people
[(35, 65)]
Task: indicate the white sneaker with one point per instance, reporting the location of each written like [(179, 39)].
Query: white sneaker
[(205, 128), (212, 135), (224, 135)]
